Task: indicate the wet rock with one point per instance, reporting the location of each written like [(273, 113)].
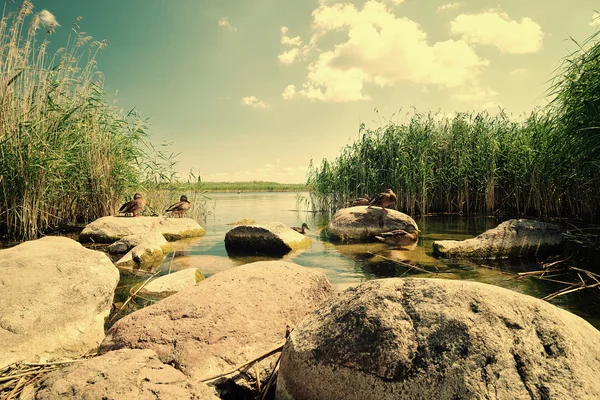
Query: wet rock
[(122, 374), (54, 296), (110, 229), (439, 339), (127, 243), (511, 239), (229, 319), (363, 223), (149, 250), (272, 238), (175, 282)]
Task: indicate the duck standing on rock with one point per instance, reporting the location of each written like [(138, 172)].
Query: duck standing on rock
[(384, 199), (399, 238), (180, 207), (360, 201), (301, 230), (134, 206)]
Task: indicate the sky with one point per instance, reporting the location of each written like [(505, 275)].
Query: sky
[(248, 90)]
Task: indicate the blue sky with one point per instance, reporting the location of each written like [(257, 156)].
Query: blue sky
[(253, 89)]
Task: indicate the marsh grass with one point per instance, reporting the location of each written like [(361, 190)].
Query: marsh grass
[(66, 155)]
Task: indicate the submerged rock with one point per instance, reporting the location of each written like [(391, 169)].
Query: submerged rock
[(55, 295), (511, 239), (272, 238), (364, 223), (122, 374), (172, 283), (439, 339), (148, 251), (229, 319), (110, 229)]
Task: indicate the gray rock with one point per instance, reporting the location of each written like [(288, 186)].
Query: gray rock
[(511, 239), (174, 282), (54, 296), (149, 250), (110, 229), (123, 374), (439, 339), (271, 238), (231, 318), (363, 223)]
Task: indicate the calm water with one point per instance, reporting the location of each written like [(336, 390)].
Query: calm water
[(347, 264)]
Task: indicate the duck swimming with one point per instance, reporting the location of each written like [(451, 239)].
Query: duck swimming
[(301, 230), (399, 237), (180, 207), (384, 199), (134, 206)]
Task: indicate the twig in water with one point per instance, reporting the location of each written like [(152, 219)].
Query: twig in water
[(131, 297)]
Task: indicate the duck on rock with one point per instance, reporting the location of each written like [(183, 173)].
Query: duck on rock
[(360, 201), (138, 204), (399, 238), (384, 199), (180, 207)]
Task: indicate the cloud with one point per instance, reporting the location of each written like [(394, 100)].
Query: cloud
[(268, 172), (595, 21), (479, 98), (254, 102), (224, 22), (379, 49), (298, 52), (495, 28), (396, 2), (518, 71), (449, 6)]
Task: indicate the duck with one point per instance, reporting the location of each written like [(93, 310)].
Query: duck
[(301, 229), (399, 237), (360, 201), (180, 207), (134, 206), (384, 199)]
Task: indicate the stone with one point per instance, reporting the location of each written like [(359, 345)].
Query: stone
[(439, 339), (110, 229), (55, 295), (174, 282), (511, 239), (270, 239), (362, 223), (126, 243), (149, 250)]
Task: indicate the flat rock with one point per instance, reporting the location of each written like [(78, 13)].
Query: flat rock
[(55, 295), (511, 239), (227, 320), (110, 229), (149, 250), (363, 223), (174, 282), (439, 339), (121, 374), (270, 238)]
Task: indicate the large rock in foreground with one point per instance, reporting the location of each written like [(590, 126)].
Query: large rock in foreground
[(110, 229), (123, 374), (363, 223), (439, 339), (54, 297), (271, 238), (231, 318), (511, 239)]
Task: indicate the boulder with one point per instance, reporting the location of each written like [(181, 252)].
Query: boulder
[(110, 229), (174, 282), (55, 295), (122, 374), (126, 243), (148, 252), (511, 239), (439, 339), (271, 239), (231, 318), (364, 223)]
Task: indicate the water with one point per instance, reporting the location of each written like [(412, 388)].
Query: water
[(349, 264)]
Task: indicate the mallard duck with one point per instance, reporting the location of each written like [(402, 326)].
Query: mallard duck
[(301, 229), (384, 199), (360, 201), (180, 207), (399, 237), (134, 206)]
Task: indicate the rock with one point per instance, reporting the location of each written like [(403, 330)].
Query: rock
[(172, 283), (271, 238), (55, 295), (439, 339), (110, 229), (231, 318), (511, 239), (207, 264), (148, 252), (122, 374), (363, 223)]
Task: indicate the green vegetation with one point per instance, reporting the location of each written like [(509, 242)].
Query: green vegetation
[(65, 154), (546, 165), (254, 186)]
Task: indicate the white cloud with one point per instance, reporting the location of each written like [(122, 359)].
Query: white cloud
[(298, 52), (477, 97), (285, 39), (449, 6), (518, 71), (595, 21), (396, 2), (224, 22), (379, 49), (495, 28), (253, 102), (288, 56)]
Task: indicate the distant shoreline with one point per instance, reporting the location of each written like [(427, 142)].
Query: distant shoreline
[(234, 187)]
